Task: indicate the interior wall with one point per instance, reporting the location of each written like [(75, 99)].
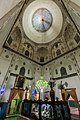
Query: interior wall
[(7, 79), (76, 2), (6, 6), (5, 61), (47, 73), (73, 82), (73, 7), (71, 62), (7, 22)]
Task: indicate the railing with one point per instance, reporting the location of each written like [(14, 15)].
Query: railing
[(46, 110)]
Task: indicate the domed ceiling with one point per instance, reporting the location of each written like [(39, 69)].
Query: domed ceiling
[(43, 32), (42, 22)]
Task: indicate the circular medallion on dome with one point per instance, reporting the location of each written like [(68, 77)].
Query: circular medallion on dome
[(42, 20)]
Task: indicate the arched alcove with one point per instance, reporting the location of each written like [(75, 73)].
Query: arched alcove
[(22, 71), (63, 71), (58, 52), (27, 53)]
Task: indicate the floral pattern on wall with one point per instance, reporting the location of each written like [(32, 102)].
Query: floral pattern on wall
[(71, 36), (14, 42), (57, 49)]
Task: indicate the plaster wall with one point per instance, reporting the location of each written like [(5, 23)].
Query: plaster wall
[(37, 73), (6, 29), (73, 82), (7, 22), (77, 56), (5, 64), (10, 84), (4, 67), (73, 12), (5, 61), (6, 6), (72, 67), (76, 2), (46, 73)]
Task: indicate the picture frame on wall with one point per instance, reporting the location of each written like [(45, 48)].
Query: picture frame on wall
[(19, 83)]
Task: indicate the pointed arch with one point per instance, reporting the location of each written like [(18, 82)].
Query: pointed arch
[(58, 52), (27, 53), (22, 71), (63, 71)]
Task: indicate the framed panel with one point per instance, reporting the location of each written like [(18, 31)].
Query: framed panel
[(19, 83)]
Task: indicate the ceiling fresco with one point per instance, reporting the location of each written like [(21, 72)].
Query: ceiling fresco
[(42, 35), (43, 23)]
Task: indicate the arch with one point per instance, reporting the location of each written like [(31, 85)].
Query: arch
[(58, 52), (28, 71), (56, 71), (42, 51), (22, 71), (69, 66), (27, 53), (16, 67), (63, 71)]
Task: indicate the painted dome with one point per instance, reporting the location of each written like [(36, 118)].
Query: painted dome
[(42, 21)]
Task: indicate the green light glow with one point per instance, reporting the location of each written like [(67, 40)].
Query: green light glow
[(41, 83)]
